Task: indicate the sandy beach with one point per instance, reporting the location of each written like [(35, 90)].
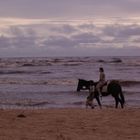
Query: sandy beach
[(70, 124)]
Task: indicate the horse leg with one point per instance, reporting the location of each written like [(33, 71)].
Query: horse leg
[(92, 106), (89, 103), (121, 102), (78, 88), (117, 101), (98, 100)]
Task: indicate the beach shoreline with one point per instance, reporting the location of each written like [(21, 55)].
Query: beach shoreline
[(70, 124)]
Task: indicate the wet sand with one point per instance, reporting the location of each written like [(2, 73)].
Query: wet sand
[(70, 124)]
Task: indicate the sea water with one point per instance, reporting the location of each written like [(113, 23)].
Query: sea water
[(51, 82)]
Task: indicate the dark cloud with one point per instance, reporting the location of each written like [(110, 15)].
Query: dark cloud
[(124, 31), (18, 31), (65, 29), (4, 42), (60, 41), (23, 42), (19, 38), (17, 42), (116, 52), (72, 41), (86, 38)]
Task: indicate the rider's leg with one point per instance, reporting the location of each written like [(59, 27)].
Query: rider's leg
[(98, 100), (98, 88)]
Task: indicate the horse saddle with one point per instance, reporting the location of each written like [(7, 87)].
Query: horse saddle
[(104, 87)]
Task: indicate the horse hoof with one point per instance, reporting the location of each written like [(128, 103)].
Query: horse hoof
[(92, 107)]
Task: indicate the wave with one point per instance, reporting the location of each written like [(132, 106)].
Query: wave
[(25, 104), (36, 64), (23, 72), (75, 104), (26, 62), (79, 103), (113, 60), (66, 61), (15, 72), (129, 83), (54, 82), (72, 64), (19, 81), (28, 65)]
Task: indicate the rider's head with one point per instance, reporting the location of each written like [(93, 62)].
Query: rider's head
[(101, 69)]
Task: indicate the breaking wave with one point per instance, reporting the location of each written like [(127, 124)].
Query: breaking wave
[(8, 72), (129, 83), (113, 60), (24, 104), (65, 61)]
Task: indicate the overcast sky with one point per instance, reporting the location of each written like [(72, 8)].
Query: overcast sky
[(69, 27)]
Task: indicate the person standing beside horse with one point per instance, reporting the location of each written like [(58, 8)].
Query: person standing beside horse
[(89, 101), (101, 81)]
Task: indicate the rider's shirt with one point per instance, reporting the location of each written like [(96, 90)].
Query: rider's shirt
[(102, 77)]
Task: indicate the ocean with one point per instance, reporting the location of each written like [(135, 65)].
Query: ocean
[(51, 82)]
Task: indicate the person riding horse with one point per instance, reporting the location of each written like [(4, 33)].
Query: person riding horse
[(113, 88), (101, 82)]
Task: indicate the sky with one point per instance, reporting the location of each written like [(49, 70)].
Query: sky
[(30, 28)]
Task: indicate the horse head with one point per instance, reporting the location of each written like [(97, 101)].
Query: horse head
[(84, 84)]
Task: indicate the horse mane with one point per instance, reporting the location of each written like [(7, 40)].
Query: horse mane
[(95, 83)]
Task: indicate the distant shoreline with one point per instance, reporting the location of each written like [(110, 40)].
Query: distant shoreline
[(113, 56)]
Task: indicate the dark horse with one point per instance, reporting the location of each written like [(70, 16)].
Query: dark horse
[(83, 84), (113, 88)]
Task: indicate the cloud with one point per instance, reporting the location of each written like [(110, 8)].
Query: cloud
[(18, 39), (4, 42), (60, 41), (65, 29), (69, 27), (86, 26), (122, 30), (18, 31), (70, 39), (86, 38)]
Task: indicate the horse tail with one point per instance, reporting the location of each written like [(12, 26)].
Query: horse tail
[(122, 96)]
